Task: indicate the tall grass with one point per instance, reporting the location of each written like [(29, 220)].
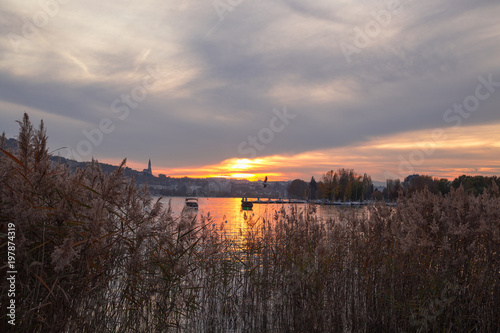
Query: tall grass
[(95, 254)]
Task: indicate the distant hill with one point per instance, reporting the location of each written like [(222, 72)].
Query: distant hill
[(106, 168), (168, 186), (11, 144)]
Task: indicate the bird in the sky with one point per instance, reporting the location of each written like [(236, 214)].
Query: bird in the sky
[(265, 182)]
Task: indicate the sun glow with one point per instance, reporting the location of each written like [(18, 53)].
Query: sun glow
[(243, 164), (242, 175), (234, 168), (442, 157)]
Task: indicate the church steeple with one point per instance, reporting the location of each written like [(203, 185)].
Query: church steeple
[(148, 171)]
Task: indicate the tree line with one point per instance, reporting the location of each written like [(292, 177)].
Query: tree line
[(343, 185), (475, 185), (348, 185)]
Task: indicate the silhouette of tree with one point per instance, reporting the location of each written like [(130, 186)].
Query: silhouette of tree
[(298, 189), (313, 189)]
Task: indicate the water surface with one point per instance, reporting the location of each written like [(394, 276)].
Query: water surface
[(228, 214)]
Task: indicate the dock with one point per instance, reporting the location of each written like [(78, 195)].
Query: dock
[(249, 203), (273, 201)]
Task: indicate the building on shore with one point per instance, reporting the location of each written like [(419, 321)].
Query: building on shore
[(148, 171)]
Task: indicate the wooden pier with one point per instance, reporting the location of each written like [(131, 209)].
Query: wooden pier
[(250, 202), (273, 201)]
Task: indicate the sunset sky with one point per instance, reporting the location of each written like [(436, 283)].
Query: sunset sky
[(239, 88)]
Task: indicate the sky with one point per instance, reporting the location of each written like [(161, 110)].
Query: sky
[(238, 88)]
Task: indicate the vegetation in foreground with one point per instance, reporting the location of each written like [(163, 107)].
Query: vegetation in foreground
[(94, 254)]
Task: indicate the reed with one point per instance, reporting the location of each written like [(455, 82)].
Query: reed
[(95, 254)]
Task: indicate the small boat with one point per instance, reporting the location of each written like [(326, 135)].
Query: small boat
[(191, 203), (246, 205)]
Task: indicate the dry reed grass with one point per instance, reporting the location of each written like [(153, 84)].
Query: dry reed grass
[(94, 254)]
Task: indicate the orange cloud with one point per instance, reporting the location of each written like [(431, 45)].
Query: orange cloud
[(456, 151), (251, 169)]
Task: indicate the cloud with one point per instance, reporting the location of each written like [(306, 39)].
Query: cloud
[(447, 154), (221, 79)]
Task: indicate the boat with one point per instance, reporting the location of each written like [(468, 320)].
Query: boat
[(246, 205), (191, 203)]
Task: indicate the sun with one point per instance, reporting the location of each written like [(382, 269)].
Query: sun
[(243, 164), (242, 168), (233, 168), (247, 176)]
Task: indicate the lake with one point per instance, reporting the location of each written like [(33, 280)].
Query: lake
[(228, 213)]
